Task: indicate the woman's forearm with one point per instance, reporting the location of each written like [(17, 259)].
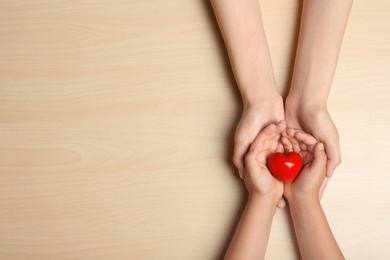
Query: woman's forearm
[(241, 26), (322, 28)]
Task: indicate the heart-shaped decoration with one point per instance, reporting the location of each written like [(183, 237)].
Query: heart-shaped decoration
[(285, 167)]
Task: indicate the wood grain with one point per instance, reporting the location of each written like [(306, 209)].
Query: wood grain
[(116, 126)]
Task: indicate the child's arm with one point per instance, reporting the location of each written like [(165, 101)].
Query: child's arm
[(315, 238), (251, 237)]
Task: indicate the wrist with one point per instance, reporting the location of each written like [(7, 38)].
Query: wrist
[(258, 93), (263, 201), (309, 84), (304, 110), (262, 100), (301, 201), (296, 102)]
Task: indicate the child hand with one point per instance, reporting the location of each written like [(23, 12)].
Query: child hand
[(311, 181), (258, 179)]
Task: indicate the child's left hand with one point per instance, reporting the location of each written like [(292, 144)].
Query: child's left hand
[(258, 179)]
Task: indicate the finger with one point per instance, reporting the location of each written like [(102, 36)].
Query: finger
[(264, 135), (305, 138), (286, 143), (291, 131), (281, 203), (240, 149), (334, 157), (279, 148), (323, 187), (307, 142), (295, 144), (280, 131), (284, 133), (302, 146), (276, 136), (251, 162), (319, 161), (281, 127)]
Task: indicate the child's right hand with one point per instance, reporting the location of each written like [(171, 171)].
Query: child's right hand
[(311, 179)]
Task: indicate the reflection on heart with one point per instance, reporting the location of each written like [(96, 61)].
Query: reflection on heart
[(285, 167)]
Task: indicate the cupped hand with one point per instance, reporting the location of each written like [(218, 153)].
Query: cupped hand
[(254, 118), (258, 178), (317, 122), (312, 180)]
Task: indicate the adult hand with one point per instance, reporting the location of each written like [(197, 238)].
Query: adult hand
[(254, 118), (317, 122)]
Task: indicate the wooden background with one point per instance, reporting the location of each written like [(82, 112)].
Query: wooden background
[(116, 127)]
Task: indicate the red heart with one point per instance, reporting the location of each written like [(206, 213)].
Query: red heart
[(285, 167)]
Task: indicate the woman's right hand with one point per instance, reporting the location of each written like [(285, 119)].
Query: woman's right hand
[(255, 117)]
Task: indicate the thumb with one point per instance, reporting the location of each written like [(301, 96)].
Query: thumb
[(320, 158), (334, 158), (238, 157), (251, 162)]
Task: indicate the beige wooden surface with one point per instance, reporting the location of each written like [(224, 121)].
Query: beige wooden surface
[(116, 126)]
